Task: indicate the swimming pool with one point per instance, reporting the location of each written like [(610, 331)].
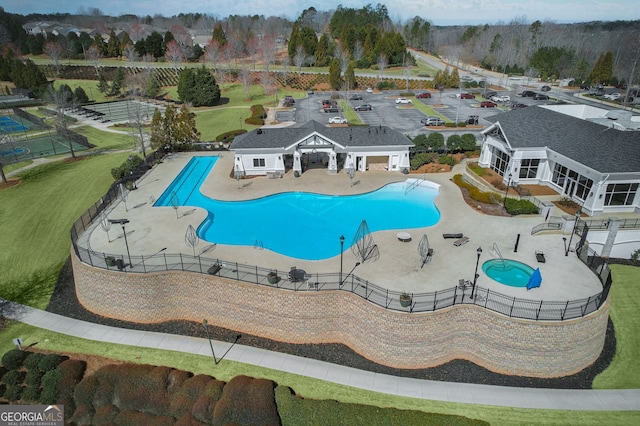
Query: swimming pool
[(299, 224), (508, 272)]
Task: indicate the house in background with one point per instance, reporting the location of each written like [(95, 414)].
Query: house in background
[(273, 151), (587, 154)]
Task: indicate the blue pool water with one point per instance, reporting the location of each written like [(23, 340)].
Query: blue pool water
[(508, 272), (298, 224)]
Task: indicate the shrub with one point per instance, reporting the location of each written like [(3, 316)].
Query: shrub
[(386, 85), (420, 159), (450, 124), (420, 141), (49, 362), (635, 257), (13, 359), (517, 207), (31, 393), (127, 167), (32, 361), (258, 111), (33, 378), (229, 136), (435, 141), (475, 193), (13, 393), (12, 378), (447, 159), (246, 400), (49, 387)]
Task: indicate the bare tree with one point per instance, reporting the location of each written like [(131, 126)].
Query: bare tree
[(137, 119), (245, 78), (299, 58), (174, 54), (252, 50), (212, 53), (94, 55), (383, 61), (130, 53), (54, 50)]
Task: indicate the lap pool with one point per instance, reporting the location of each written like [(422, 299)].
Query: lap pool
[(299, 224)]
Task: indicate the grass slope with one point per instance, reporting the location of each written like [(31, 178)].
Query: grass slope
[(35, 219)]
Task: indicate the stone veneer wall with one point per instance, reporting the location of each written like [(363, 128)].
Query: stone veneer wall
[(397, 339)]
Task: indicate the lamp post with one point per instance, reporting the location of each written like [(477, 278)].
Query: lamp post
[(126, 243), (575, 225), (341, 250), (504, 201), (475, 275), (206, 329)]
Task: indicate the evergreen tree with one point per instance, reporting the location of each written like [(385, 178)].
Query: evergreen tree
[(218, 35), (603, 69), (80, 96), (293, 42), (113, 46), (152, 88), (322, 52), (117, 83), (350, 77), (103, 86), (198, 87), (334, 74)]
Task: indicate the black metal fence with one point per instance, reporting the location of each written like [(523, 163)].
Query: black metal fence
[(541, 310)]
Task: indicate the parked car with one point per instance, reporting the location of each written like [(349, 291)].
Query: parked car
[(472, 119), (540, 97), (488, 104), (425, 95), (369, 90), (598, 91), (289, 99), (355, 97), (500, 98), (528, 94), (331, 109), (612, 96), (403, 101), (585, 86), (545, 88), (488, 95), (363, 107), (467, 96), (310, 92), (338, 120), (432, 121)]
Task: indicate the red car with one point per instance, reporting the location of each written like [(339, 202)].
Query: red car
[(467, 96), (488, 104), (425, 95)]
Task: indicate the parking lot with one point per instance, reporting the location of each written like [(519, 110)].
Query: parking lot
[(404, 118)]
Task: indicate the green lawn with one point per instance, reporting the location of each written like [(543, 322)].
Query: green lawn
[(623, 372), (107, 140), (35, 219), (89, 86)]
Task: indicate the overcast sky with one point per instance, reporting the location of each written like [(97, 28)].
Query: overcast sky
[(438, 12)]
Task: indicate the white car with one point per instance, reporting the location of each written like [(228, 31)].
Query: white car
[(500, 98), (403, 101), (338, 120), (369, 90), (612, 96)]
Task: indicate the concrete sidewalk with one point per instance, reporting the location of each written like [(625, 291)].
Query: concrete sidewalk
[(588, 400)]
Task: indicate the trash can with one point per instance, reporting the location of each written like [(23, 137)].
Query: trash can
[(120, 264)]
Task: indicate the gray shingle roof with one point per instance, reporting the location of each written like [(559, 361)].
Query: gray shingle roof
[(349, 137), (599, 147)]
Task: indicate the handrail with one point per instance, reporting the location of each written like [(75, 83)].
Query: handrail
[(547, 226)]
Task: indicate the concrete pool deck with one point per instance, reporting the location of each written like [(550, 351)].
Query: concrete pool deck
[(399, 267)]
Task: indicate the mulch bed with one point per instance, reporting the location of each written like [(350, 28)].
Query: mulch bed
[(65, 302), (9, 183)]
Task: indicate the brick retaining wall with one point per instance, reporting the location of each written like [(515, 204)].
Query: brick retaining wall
[(401, 340)]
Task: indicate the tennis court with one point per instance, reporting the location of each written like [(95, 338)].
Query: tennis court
[(36, 147), (129, 110)]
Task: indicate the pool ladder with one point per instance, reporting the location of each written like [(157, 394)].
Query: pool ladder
[(414, 184), (496, 250)]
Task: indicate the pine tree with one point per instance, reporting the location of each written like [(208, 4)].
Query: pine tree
[(322, 52), (334, 74), (158, 135), (117, 83), (218, 35), (103, 86), (603, 68)]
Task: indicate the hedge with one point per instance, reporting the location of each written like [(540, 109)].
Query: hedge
[(516, 207)]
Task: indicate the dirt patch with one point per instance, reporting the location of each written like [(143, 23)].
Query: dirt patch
[(94, 362), (75, 159), (9, 183)]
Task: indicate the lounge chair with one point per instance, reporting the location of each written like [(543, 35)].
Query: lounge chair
[(456, 236), (461, 241), (540, 256)]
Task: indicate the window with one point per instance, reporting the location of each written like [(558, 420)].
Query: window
[(584, 187), (559, 175), (499, 161), (258, 162), (620, 194), (529, 168)]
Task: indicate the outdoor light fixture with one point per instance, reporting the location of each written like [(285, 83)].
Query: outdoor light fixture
[(504, 201), (123, 222), (575, 225), (475, 275)]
